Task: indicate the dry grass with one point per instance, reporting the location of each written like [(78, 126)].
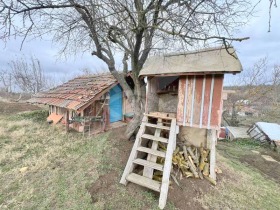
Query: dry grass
[(61, 167), (245, 188)]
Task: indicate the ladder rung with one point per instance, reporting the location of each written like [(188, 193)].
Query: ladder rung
[(155, 138), (143, 181), (149, 164), (157, 126), (151, 151), (159, 116)]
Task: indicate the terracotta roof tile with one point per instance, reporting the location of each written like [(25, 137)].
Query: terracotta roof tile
[(76, 92)]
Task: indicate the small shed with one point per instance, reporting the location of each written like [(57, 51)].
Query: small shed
[(95, 101), (264, 131), (190, 86)]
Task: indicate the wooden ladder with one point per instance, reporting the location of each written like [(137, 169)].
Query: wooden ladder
[(154, 128)]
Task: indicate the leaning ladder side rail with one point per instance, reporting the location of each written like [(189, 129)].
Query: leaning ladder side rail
[(167, 165)]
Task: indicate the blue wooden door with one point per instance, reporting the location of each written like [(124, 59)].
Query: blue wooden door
[(115, 104)]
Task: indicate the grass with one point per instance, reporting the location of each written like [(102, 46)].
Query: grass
[(42, 167), (246, 189), (60, 167)]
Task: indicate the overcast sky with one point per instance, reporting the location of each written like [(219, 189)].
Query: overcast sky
[(260, 44)]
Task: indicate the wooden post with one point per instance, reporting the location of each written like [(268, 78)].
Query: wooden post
[(67, 121), (211, 144)]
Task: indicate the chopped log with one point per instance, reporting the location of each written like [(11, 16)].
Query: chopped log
[(203, 158), (201, 165), (212, 181), (200, 174), (188, 174), (195, 160), (185, 152), (176, 181), (218, 170), (206, 170), (192, 167), (157, 178)]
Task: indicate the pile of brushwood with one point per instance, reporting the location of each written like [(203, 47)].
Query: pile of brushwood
[(188, 161)]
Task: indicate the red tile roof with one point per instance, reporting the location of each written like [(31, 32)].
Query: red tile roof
[(75, 93)]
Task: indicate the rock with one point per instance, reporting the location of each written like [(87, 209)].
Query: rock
[(268, 158), (23, 169), (218, 170), (256, 152)]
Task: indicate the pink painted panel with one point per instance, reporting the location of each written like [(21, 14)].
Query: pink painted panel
[(217, 98), (181, 98)]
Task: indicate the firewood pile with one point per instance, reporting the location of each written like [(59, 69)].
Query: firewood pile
[(188, 161)]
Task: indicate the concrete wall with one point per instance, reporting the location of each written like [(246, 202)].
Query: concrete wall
[(193, 136), (168, 103)]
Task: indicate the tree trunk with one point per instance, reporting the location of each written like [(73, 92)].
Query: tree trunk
[(138, 104), (134, 124), (234, 121)]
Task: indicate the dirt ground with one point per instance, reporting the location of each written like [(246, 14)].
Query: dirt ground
[(270, 169), (190, 192), (186, 197), (89, 177), (7, 108), (253, 159)]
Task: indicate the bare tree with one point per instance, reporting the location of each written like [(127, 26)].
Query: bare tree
[(276, 84), (257, 86), (131, 28), (6, 80), (29, 77)]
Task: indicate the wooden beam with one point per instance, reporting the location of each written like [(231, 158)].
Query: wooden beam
[(211, 144)]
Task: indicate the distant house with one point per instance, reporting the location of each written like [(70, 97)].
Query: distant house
[(248, 111), (86, 100)]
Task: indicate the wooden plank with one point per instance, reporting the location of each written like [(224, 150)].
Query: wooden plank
[(148, 164), (143, 181), (189, 99), (202, 102), (161, 116), (151, 151), (185, 100), (193, 100), (211, 144), (148, 172), (129, 166), (181, 97), (208, 81), (197, 101), (216, 114), (167, 165), (157, 126), (211, 101), (154, 138)]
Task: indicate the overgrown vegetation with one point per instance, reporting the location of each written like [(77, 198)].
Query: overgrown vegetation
[(36, 116), (45, 168)]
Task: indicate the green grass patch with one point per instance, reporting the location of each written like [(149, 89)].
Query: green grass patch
[(247, 190), (36, 116)]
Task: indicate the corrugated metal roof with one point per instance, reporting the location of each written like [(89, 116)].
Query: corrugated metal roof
[(210, 60), (75, 93), (272, 130)]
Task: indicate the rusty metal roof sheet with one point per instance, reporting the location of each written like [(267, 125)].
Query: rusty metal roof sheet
[(75, 93)]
